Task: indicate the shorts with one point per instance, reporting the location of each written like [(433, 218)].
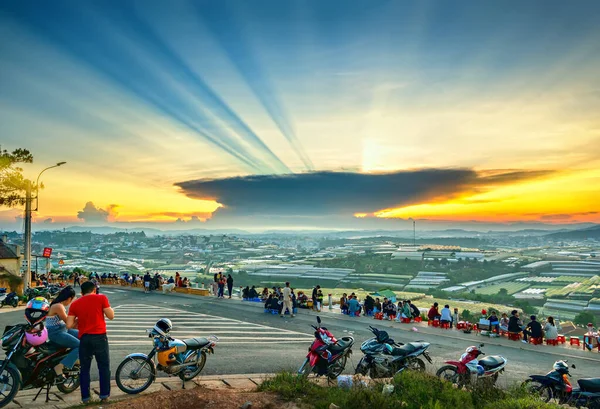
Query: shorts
[(147, 284)]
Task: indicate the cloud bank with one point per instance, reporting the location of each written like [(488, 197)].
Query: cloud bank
[(343, 193)]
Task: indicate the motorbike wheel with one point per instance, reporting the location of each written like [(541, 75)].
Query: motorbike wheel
[(416, 364), (192, 371), (15, 303), (305, 369), (134, 375), (72, 382), (9, 385), (449, 373), (538, 389), (337, 367)]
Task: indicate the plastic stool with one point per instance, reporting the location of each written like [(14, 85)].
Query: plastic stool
[(536, 341), (405, 320), (561, 339), (436, 323), (418, 319), (552, 342), (445, 325), (514, 336), (574, 341)]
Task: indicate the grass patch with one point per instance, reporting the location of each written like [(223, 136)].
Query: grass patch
[(412, 390)]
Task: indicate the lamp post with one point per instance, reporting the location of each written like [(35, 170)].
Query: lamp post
[(28, 200)]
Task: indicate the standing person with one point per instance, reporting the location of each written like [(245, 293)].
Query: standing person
[(76, 280), (229, 284), (88, 313), (147, 280), (221, 287), (320, 299), (344, 303), (56, 323), (287, 300), (315, 291)]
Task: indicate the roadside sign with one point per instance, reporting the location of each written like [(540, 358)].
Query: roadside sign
[(47, 252), (61, 262)]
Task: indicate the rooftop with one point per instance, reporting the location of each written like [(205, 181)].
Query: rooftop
[(6, 251)]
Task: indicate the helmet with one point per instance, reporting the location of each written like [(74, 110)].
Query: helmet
[(472, 350), (163, 326), (37, 337), (36, 310), (561, 367)]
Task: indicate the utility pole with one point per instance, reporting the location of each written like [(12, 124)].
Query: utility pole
[(27, 277), (414, 233)]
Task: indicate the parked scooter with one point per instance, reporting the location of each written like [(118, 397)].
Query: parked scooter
[(556, 385), (184, 358), (486, 369), (326, 355), (383, 357)]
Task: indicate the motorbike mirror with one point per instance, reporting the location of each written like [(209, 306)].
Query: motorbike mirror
[(481, 345), (318, 319), (573, 366)]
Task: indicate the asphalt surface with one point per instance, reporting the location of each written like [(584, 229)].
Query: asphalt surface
[(254, 342)]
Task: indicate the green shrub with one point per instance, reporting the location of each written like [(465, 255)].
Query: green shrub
[(520, 403)]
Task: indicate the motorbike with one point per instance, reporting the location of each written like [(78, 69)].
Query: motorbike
[(34, 292), (384, 358), (556, 385), (326, 355), (486, 369), (11, 299), (27, 367), (183, 358)]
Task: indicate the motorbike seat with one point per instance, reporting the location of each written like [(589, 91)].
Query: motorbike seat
[(196, 343), (490, 362), (589, 384), (408, 349), (342, 344)]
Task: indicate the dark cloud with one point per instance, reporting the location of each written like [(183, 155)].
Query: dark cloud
[(565, 216), (91, 213), (340, 193), (48, 220)]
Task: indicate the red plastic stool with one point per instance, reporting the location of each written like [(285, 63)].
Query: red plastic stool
[(436, 323), (392, 317), (445, 325), (461, 325), (552, 341), (561, 339), (378, 315), (405, 320), (503, 333), (418, 319), (574, 341), (536, 341), (514, 336)]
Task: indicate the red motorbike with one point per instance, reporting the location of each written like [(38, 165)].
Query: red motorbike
[(486, 369), (327, 355)]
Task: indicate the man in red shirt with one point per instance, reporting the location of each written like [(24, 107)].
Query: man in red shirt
[(87, 314)]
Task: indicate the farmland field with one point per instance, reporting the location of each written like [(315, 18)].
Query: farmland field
[(512, 288)]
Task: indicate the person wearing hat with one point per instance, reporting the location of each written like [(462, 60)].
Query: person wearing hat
[(534, 329)]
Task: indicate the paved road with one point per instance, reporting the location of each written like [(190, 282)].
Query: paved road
[(255, 342)]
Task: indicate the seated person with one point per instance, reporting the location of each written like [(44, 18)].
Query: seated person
[(377, 307), (433, 313), (503, 325), (494, 321), (245, 293), (265, 293), (353, 306), (515, 325), (414, 311), (252, 293), (533, 330), (550, 329), (369, 305), (446, 315)]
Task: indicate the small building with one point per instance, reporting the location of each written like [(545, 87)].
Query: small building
[(10, 259)]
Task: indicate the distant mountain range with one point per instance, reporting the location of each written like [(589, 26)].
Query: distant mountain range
[(581, 234)]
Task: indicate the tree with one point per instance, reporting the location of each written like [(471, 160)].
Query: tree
[(12, 182), (503, 292), (584, 318), (466, 315)]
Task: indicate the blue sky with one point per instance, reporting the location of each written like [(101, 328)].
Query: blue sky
[(138, 96)]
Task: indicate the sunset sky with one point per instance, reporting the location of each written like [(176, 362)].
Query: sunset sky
[(310, 113)]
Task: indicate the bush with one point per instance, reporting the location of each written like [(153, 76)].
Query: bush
[(412, 390), (584, 318), (13, 281)]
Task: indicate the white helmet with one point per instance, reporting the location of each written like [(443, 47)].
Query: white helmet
[(471, 349), (163, 326)]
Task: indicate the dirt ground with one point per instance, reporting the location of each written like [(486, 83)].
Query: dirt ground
[(202, 398)]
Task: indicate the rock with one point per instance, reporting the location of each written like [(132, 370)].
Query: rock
[(247, 405), (333, 406)]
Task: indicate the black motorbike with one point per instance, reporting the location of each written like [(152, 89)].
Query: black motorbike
[(556, 385), (27, 367), (383, 357), (11, 299), (34, 292)]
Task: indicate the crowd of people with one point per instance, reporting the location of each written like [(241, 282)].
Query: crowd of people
[(277, 301)]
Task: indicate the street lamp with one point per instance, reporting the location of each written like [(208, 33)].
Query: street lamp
[(37, 184), (28, 200)]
